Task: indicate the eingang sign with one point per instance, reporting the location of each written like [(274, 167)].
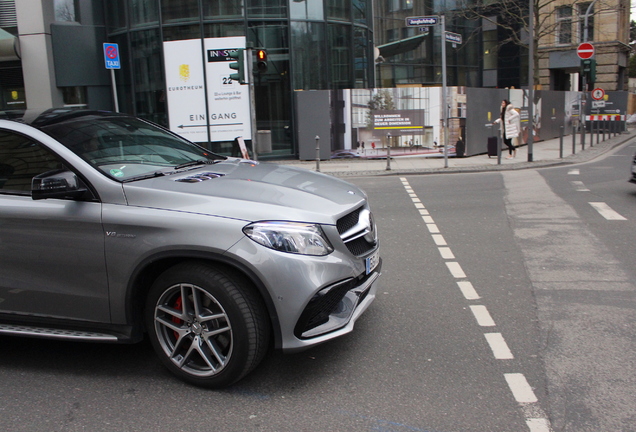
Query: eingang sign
[(228, 101)]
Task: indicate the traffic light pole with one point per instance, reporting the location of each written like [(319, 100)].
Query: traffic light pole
[(444, 98), (250, 79)]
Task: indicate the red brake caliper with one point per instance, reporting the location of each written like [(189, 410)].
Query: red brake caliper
[(178, 305)]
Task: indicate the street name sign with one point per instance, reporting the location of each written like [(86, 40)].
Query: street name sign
[(422, 21)]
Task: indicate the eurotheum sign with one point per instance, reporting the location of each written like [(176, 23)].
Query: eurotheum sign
[(228, 101)]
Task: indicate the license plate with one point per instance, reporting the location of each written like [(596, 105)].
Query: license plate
[(372, 261)]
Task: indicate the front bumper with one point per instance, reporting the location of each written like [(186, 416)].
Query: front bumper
[(333, 312)]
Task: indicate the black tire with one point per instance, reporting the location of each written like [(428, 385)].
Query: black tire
[(207, 326)]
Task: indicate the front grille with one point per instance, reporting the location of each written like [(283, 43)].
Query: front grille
[(353, 233), (347, 222)]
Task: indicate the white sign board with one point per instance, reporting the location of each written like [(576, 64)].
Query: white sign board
[(228, 101)]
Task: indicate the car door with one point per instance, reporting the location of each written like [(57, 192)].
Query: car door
[(52, 250)]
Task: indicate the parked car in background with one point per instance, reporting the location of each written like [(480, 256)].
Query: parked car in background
[(113, 229)]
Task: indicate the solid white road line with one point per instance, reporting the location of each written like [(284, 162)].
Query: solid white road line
[(499, 346), (468, 290), (520, 388), (482, 316), (606, 211)]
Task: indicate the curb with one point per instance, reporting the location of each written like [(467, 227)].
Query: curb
[(586, 155)]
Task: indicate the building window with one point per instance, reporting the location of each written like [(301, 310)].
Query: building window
[(397, 5), (590, 23), (564, 25), (64, 10)]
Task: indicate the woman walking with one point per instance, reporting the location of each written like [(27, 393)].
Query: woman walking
[(511, 126)]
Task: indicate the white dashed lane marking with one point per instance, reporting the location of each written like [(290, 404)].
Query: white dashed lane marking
[(499, 346), (606, 211), (521, 390), (468, 290), (482, 316), (456, 269), (579, 186)]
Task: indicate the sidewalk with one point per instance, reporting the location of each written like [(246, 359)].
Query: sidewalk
[(544, 153)]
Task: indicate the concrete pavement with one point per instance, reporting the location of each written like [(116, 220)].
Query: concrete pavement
[(544, 153)]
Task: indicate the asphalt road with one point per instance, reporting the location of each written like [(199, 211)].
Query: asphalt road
[(506, 304)]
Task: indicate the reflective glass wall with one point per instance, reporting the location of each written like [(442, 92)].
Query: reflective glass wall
[(311, 45), (423, 64)]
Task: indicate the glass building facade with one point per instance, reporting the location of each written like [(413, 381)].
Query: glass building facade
[(311, 45)]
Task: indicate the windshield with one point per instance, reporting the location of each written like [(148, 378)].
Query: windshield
[(126, 148)]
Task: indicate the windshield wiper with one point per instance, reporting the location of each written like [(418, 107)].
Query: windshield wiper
[(146, 176), (196, 162)]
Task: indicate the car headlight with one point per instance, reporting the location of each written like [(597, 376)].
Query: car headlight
[(292, 237)]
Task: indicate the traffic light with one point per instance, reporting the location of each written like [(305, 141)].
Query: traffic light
[(261, 60), (588, 68), (238, 66)]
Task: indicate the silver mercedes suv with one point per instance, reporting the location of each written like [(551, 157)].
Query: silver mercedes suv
[(113, 229)]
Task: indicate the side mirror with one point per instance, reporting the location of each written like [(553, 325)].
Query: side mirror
[(57, 184)]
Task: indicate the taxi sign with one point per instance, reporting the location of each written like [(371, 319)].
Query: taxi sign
[(111, 56)]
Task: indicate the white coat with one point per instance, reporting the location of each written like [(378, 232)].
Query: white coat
[(512, 122)]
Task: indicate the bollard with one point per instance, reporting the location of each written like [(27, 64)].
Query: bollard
[(388, 152), (499, 143), (598, 131), (317, 153), (583, 136), (561, 142), (573, 140), (604, 127)]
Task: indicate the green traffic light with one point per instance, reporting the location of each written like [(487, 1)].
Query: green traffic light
[(238, 66)]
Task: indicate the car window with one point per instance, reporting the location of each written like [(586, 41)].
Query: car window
[(21, 159), (124, 147)]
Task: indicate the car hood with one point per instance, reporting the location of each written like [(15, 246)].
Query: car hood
[(248, 190)]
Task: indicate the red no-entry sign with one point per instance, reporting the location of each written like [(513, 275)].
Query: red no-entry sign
[(585, 50)]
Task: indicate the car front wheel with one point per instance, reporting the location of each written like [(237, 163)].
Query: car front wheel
[(207, 326)]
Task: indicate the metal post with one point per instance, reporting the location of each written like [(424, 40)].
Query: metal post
[(250, 77), (583, 134), (444, 99), (114, 86), (573, 140), (317, 153), (561, 143), (604, 127), (598, 131), (499, 143), (388, 152), (530, 81)]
